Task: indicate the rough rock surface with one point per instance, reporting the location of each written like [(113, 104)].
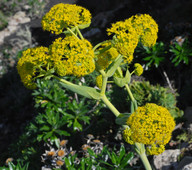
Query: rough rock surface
[(13, 24), (185, 164), (167, 160)]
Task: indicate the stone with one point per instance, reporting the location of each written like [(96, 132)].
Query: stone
[(187, 167), (13, 25), (167, 160), (185, 164)]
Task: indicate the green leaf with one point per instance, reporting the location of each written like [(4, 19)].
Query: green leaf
[(114, 158), (124, 80), (83, 26), (57, 142), (45, 128), (126, 160), (121, 152), (91, 152), (11, 166), (77, 125), (82, 163), (48, 135), (122, 118), (62, 132), (88, 92), (67, 162), (106, 163), (113, 66), (39, 137)]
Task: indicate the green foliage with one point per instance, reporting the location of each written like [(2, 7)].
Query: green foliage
[(62, 113), (19, 166), (182, 137), (153, 56), (181, 53), (77, 113), (107, 159), (144, 93)]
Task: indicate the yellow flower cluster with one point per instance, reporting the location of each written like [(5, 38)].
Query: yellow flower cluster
[(146, 28), (138, 69), (29, 65), (62, 16), (125, 39), (155, 150), (151, 125), (106, 58), (72, 56), (129, 32), (99, 81)]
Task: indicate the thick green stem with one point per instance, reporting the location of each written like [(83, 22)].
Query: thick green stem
[(140, 149), (110, 106), (104, 81), (145, 161), (63, 80), (130, 93)]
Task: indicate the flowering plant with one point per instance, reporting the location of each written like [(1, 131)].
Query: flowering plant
[(149, 125)]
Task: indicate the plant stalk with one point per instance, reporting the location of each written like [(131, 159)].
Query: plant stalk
[(72, 32), (110, 106), (145, 161), (79, 32), (129, 92), (140, 149)]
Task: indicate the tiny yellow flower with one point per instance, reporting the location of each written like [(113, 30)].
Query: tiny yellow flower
[(62, 16), (138, 69)]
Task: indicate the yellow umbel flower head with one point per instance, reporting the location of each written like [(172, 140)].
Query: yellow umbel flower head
[(30, 64), (125, 38), (146, 28), (151, 125), (72, 56), (99, 81), (138, 69), (106, 58), (62, 16)]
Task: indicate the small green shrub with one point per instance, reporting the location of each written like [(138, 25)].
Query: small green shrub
[(19, 166), (62, 113), (144, 93), (152, 56), (181, 53)]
